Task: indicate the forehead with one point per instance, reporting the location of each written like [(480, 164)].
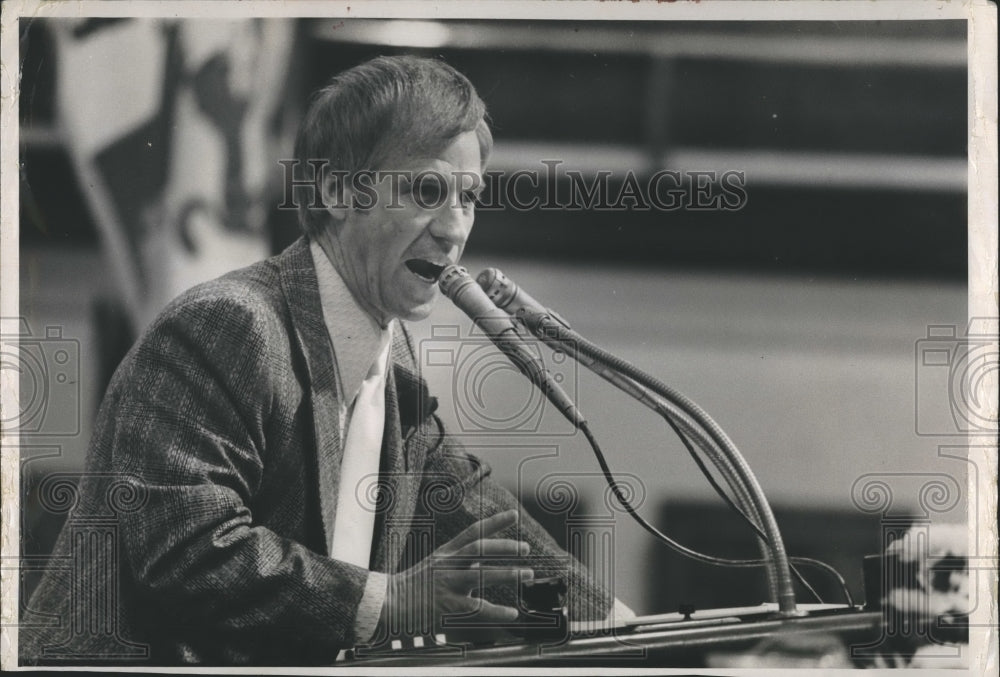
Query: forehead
[(461, 154)]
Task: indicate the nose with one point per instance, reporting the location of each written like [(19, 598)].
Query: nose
[(452, 224)]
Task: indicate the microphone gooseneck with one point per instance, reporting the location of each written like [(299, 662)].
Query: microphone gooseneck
[(676, 408)]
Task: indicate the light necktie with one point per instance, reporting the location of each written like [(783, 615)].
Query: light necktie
[(355, 518)]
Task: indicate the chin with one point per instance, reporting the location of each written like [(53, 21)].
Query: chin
[(416, 313)]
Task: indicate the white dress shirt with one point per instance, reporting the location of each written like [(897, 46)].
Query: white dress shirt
[(358, 342)]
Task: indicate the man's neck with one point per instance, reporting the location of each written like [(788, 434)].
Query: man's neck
[(357, 338), (334, 257)]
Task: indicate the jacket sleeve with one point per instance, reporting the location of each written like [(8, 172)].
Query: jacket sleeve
[(186, 421)]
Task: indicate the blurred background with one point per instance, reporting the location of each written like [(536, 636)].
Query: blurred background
[(148, 158)]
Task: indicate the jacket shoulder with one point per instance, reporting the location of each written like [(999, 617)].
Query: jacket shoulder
[(237, 323), (250, 299), (256, 288)]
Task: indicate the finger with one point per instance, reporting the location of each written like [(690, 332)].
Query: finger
[(491, 576), (493, 547), (494, 613), (479, 530), (470, 580)]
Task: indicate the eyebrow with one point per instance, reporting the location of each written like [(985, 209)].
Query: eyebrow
[(477, 188)]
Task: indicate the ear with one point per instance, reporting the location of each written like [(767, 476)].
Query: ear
[(335, 197)]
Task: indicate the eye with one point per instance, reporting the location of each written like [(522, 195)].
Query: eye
[(429, 192)]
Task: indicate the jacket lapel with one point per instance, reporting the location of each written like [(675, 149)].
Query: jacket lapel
[(301, 290), (401, 484)]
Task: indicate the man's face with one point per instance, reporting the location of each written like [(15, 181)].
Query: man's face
[(391, 253)]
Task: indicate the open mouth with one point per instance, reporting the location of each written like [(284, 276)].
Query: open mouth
[(424, 269)]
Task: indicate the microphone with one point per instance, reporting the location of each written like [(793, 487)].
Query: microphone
[(549, 327), (539, 319), (505, 293), (456, 283)]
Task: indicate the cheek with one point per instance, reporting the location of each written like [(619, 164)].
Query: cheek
[(388, 254), (403, 230)]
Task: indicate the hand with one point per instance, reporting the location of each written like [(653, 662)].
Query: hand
[(446, 581)]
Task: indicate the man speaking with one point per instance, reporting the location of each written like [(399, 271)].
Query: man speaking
[(279, 485)]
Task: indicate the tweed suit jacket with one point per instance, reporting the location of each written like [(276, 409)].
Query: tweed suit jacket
[(199, 531)]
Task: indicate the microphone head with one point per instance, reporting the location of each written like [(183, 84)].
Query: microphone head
[(500, 288), (452, 279)]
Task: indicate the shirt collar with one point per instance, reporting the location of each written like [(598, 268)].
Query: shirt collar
[(358, 340)]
